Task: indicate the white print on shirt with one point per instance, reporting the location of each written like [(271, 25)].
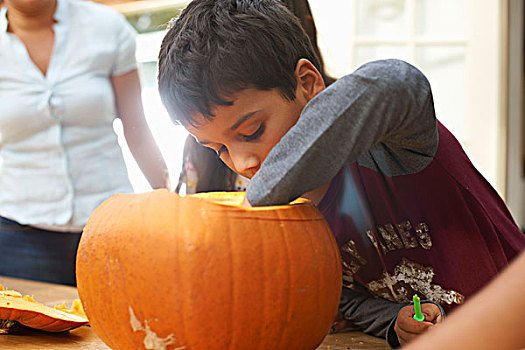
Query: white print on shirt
[(391, 237), (410, 278), (400, 236), (349, 269)]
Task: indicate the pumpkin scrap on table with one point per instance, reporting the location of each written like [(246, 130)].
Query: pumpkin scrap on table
[(202, 272), (76, 308), (18, 309)]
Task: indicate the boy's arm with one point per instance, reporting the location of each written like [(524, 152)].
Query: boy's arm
[(371, 315), (377, 316), (386, 105)]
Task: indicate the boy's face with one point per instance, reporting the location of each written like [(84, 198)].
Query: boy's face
[(244, 133)]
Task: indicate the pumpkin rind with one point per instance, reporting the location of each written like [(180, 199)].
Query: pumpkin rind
[(24, 310), (161, 271)]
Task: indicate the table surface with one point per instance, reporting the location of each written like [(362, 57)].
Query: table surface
[(85, 338)]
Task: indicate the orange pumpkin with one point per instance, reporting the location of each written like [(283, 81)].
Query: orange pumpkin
[(161, 271), (25, 310)]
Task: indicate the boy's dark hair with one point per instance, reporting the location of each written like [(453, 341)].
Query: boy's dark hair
[(219, 47)]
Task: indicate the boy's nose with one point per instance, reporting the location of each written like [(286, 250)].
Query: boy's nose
[(245, 164)]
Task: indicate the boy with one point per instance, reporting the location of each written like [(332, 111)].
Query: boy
[(202, 170), (408, 210)]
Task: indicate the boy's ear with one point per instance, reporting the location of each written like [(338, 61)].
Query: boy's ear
[(309, 81)]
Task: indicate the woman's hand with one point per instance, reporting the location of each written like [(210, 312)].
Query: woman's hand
[(407, 328)]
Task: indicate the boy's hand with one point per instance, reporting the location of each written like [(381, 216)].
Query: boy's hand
[(407, 328)]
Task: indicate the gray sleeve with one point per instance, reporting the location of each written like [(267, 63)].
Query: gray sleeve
[(384, 104), (371, 315)]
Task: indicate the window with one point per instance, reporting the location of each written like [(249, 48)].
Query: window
[(456, 43)]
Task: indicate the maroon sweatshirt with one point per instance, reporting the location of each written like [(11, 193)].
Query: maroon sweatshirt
[(442, 232)]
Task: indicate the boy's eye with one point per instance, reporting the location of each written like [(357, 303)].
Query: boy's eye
[(255, 135)]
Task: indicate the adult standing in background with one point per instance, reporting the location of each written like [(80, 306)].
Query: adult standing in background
[(67, 69)]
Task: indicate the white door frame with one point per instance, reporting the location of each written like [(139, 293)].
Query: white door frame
[(516, 124)]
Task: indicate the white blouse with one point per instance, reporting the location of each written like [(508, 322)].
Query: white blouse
[(60, 155)]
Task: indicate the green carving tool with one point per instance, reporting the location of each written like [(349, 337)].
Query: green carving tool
[(417, 307)]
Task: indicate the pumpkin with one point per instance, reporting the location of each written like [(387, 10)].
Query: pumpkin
[(161, 271), (15, 308)]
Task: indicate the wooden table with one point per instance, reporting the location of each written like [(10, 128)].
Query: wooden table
[(85, 338)]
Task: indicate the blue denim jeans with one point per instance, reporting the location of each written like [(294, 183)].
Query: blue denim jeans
[(31, 253)]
